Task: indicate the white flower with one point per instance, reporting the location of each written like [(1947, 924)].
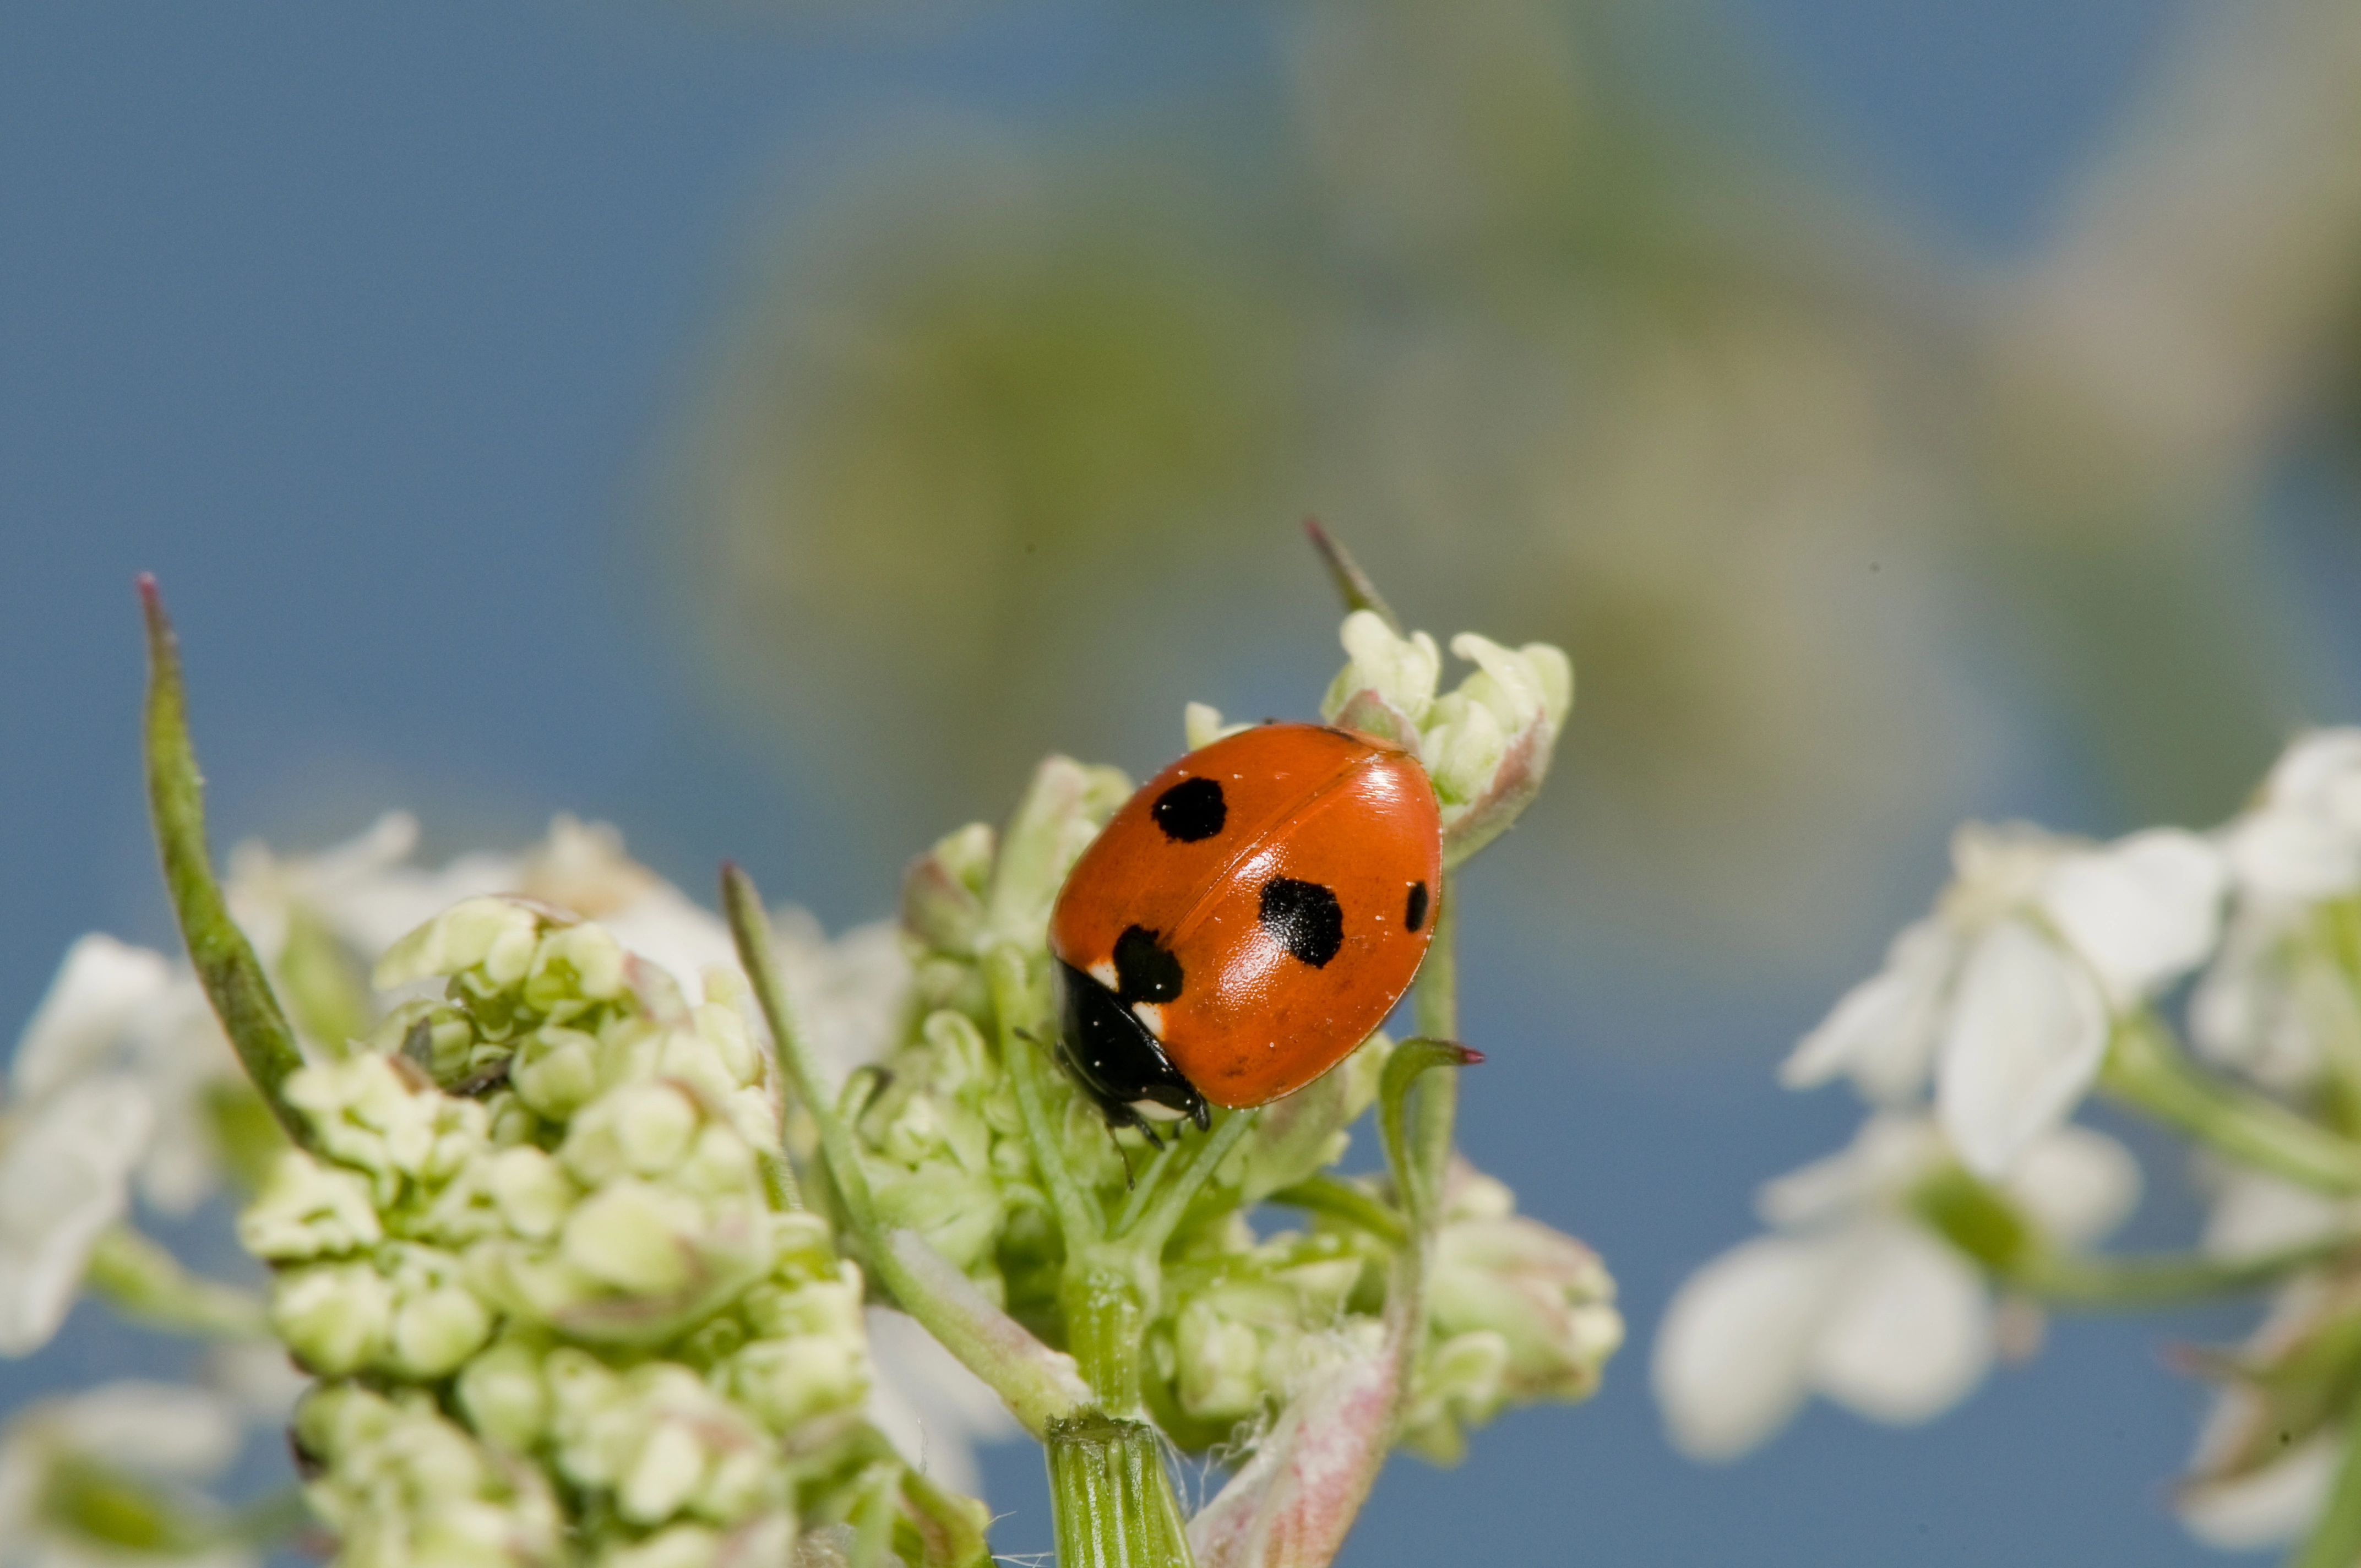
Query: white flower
[(2279, 1003), (1854, 1298), (2005, 996), (932, 1408), (2301, 840), (156, 1432)]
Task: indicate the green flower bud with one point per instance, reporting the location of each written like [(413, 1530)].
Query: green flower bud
[(573, 965), (635, 1237), (636, 1129), (404, 1488), (659, 1442), (382, 1116), (1546, 1295), (333, 1317), (437, 1322), (555, 1070), (1460, 1383), (308, 1210), (501, 1392), (942, 893), (495, 935)]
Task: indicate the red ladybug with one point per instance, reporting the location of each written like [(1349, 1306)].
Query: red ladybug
[(1245, 921)]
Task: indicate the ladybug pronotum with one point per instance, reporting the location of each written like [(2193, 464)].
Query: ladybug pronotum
[(1246, 918)]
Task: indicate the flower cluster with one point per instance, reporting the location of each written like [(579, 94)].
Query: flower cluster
[(2043, 974), (551, 1196), (548, 1188)]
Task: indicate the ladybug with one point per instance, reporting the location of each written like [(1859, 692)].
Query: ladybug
[(1248, 917)]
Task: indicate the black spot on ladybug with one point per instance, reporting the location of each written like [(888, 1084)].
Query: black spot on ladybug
[(1144, 969), (1190, 810), (1415, 916), (1305, 917)]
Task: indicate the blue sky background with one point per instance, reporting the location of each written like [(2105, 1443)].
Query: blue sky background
[(365, 329)]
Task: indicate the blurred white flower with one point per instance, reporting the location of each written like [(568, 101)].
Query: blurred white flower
[(2004, 997), (2281, 1003), (1853, 1298), (159, 1433), (933, 1410)]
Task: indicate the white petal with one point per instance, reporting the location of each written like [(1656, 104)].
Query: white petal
[(2292, 855), (100, 988), (2318, 772), (2026, 1036), (1730, 1360), (1909, 1332), (2253, 1213), (928, 1405), (169, 1428), (2244, 1013), (64, 1177), (1882, 1032), (2269, 1507), (2077, 1185), (2141, 911), (1890, 1155)]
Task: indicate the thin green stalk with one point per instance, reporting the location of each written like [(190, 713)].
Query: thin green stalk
[(2159, 1280), (1353, 584), (226, 963), (2146, 1068), (1144, 1191), (751, 927), (2336, 1538), (1154, 1226), (1078, 1215), (1344, 1201), (1039, 1385), (147, 1285), (1435, 1009), (873, 1517)]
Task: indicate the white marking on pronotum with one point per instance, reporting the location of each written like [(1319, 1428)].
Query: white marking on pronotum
[(1150, 1014)]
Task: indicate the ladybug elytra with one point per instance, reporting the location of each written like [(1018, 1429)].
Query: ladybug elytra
[(1246, 918)]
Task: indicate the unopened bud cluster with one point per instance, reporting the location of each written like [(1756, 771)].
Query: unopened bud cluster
[(533, 1236)]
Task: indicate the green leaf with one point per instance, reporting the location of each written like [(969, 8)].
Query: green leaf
[(226, 962), (1417, 1170)]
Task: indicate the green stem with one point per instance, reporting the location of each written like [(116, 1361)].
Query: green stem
[(1353, 584), (874, 1515), (1154, 1225), (1012, 1005), (2336, 1538), (267, 1521), (1039, 1385), (226, 963), (2146, 1068), (147, 1285), (1111, 1497), (1435, 1011), (1342, 1200), (2164, 1280)]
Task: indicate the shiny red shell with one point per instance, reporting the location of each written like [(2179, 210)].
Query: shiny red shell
[(1299, 912)]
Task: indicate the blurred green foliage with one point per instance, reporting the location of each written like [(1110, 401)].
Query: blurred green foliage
[(1552, 313)]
